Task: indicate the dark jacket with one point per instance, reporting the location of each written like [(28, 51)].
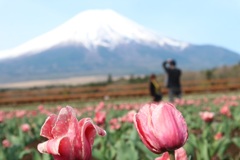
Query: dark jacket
[(173, 76)]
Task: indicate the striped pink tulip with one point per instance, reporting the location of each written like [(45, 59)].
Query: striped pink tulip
[(161, 127), (68, 139)]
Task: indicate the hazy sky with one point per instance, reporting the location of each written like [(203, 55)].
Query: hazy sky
[(215, 22)]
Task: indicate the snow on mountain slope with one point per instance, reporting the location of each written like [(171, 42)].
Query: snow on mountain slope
[(91, 29)]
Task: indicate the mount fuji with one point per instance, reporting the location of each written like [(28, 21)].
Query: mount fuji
[(104, 42)]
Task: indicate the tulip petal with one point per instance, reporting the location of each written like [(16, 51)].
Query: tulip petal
[(65, 119), (165, 156), (180, 154), (88, 132), (66, 150), (144, 125), (170, 126), (46, 130), (50, 146)]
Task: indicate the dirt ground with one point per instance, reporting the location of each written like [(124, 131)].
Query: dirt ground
[(63, 81)]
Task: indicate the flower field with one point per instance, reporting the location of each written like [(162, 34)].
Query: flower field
[(213, 124)]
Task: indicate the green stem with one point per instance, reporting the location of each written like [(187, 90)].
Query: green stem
[(171, 155)]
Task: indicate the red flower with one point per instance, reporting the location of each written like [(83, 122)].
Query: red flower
[(114, 124), (218, 136), (25, 127), (226, 111), (1, 116), (20, 113), (161, 127), (99, 107), (128, 117), (68, 138), (6, 143), (100, 117), (180, 154), (207, 116)]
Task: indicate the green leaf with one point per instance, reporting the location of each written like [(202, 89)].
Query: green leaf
[(236, 141), (126, 151), (36, 155), (204, 150), (224, 145), (23, 153), (46, 157)]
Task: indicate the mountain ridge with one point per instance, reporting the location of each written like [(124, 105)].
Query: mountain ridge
[(94, 28), (104, 42)]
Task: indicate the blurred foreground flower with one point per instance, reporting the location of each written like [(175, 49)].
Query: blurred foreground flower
[(180, 154), (161, 127), (68, 138)]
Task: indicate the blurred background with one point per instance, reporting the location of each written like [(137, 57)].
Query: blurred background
[(49, 44)]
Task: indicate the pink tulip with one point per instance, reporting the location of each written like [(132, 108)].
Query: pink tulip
[(99, 107), (128, 117), (207, 116), (6, 143), (100, 118), (161, 127), (1, 119), (20, 113), (68, 138), (225, 111), (180, 154), (218, 136), (9, 115), (32, 113), (40, 107), (25, 127), (1, 116), (114, 124)]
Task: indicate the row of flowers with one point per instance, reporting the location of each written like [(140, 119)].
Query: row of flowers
[(212, 132)]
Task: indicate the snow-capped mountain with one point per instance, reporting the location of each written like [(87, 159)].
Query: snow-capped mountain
[(91, 29), (104, 42)]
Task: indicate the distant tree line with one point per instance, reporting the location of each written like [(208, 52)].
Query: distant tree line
[(208, 74)]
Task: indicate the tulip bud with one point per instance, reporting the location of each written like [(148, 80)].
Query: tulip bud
[(225, 110), (25, 127), (100, 118), (6, 143), (207, 116), (161, 127)]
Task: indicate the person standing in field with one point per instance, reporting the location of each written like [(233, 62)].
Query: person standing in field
[(173, 79), (155, 89)]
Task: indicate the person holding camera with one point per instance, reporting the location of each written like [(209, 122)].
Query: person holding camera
[(173, 79)]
